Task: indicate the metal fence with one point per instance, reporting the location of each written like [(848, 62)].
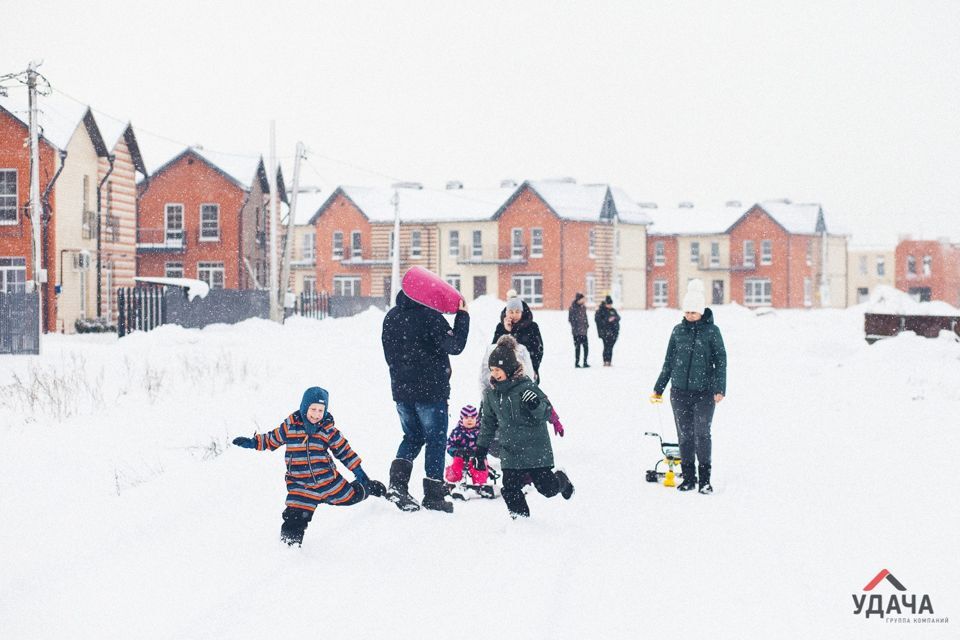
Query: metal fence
[(311, 305), (19, 323), (226, 306), (140, 308)]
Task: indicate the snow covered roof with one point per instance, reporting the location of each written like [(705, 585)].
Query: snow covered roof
[(629, 210), (57, 115), (309, 201), (795, 217), (194, 288), (243, 170), (570, 200), (694, 221), (422, 205)]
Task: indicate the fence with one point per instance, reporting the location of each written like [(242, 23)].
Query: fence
[(311, 305), (877, 326), (219, 306), (19, 323), (140, 309)]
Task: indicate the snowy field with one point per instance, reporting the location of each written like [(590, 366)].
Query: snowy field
[(125, 514)]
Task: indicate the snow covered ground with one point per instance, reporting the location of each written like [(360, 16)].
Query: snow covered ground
[(125, 514)]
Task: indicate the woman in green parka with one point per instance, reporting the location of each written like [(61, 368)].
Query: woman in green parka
[(516, 411), (696, 367)]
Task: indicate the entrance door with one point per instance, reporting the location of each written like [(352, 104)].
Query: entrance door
[(717, 292), (479, 286)]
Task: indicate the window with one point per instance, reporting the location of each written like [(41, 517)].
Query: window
[(529, 288), (113, 222), (810, 253), (356, 244), (536, 242), (454, 241), (661, 293), (338, 245), (766, 252), (8, 196), (863, 265), (695, 252), (749, 259), (86, 193), (616, 241), (714, 254), (453, 280), (477, 244), (346, 286), (807, 292), (416, 244), (516, 243), (173, 269), (209, 222), (863, 295), (13, 275), (591, 289), (881, 266), (309, 285), (211, 273), (911, 266), (757, 291), (659, 254), (927, 265), (174, 224), (592, 244), (307, 252)]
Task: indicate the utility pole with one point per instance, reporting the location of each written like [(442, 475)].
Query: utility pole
[(395, 272), (36, 212), (274, 223), (291, 222)]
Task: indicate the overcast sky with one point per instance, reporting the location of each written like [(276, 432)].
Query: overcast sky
[(854, 105)]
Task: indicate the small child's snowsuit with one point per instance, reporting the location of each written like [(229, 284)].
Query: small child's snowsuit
[(462, 445)]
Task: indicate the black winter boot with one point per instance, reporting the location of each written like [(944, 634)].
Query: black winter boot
[(566, 487), (434, 496), (294, 525), (398, 492)]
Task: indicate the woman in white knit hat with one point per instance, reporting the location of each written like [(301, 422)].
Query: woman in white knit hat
[(696, 367)]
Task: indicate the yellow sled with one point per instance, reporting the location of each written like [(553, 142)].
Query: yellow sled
[(671, 458)]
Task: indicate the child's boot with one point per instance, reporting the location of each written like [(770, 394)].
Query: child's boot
[(398, 493), (294, 525), (434, 496), (566, 487), (454, 472)]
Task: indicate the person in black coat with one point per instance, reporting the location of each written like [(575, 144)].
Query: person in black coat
[(516, 320), (608, 328), (417, 345), (577, 317)]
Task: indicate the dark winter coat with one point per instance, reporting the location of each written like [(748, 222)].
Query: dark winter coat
[(522, 431), (526, 332), (608, 322), (696, 359), (462, 442), (417, 345), (577, 317)]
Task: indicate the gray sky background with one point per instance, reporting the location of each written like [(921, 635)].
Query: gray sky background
[(854, 105)]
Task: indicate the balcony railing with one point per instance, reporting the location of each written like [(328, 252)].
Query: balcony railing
[(161, 240), (493, 254), (368, 258)]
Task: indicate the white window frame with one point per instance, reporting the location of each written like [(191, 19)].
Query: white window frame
[(766, 252), (516, 242), (173, 269), (591, 289), (807, 292), (927, 266), (695, 252), (749, 254), (13, 266), (476, 243), (309, 284), (529, 288), (863, 265), (661, 293), (205, 235), (336, 245), (659, 253), (9, 201), (171, 233), (356, 244), (454, 281), (212, 273), (810, 253), (881, 266), (592, 243), (757, 292), (347, 286), (911, 266), (416, 244), (714, 254), (453, 239), (308, 247), (536, 242)]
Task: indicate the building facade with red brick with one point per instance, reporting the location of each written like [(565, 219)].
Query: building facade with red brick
[(928, 270)]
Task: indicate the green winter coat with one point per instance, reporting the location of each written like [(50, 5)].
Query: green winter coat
[(696, 358), (524, 437)]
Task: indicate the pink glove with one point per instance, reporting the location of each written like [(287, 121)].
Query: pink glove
[(555, 421)]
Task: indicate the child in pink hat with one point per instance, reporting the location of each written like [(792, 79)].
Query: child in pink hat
[(462, 445)]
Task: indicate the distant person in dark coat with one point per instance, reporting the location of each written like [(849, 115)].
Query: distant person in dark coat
[(577, 317), (696, 367), (516, 320), (608, 328), (417, 345)]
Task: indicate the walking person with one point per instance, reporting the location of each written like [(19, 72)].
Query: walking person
[(696, 367), (577, 317), (516, 320), (608, 328), (417, 345)]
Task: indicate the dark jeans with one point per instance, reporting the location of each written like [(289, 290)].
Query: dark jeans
[(577, 342), (424, 424), (693, 414), (608, 348), (544, 479)]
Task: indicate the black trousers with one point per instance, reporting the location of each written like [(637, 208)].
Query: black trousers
[(544, 479), (608, 343), (579, 341), (693, 414)]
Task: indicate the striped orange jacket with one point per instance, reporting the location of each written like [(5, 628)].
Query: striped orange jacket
[(308, 455)]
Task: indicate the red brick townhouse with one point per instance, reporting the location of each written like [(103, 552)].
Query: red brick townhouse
[(197, 220), (16, 231), (928, 269)]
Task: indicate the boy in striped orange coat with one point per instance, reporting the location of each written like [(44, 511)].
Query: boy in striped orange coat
[(312, 477)]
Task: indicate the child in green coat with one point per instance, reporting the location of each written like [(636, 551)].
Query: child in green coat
[(516, 411)]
